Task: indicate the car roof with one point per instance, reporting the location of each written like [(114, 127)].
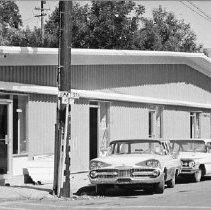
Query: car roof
[(189, 139), (150, 139)]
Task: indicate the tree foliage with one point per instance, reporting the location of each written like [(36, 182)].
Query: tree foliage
[(113, 25), (163, 32), (10, 20)]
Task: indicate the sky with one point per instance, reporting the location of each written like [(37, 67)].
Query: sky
[(201, 26)]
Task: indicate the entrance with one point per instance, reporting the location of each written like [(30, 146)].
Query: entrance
[(5, 140), (93, 132)]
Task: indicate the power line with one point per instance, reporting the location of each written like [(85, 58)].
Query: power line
[(199, 9), (195, 11)]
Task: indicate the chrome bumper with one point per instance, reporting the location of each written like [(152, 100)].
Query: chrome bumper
[(118, 177), (188, 170)]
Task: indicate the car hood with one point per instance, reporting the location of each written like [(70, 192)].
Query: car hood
[(192, 155), (128, 160)]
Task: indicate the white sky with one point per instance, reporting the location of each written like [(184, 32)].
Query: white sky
[(200, 26)]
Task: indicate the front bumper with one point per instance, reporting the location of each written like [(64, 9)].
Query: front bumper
[(188, 170), (126, 177)]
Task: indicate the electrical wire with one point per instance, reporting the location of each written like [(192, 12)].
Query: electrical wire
[(182, 2), (199, 9)]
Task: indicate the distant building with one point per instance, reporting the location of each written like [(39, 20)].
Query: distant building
[(122, 94)]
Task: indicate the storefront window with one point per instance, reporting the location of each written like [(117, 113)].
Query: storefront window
[(19, 124)]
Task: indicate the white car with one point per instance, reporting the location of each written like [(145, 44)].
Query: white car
[(136, 163), (195, 155)]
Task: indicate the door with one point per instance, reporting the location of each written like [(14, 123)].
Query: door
[(3, 138), (93, 132)]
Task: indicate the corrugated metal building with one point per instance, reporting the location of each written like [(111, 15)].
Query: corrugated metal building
[(123, 94)]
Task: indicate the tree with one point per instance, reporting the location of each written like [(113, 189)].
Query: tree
[(112, 24), (163, 32), (10, 20), (104, 24)]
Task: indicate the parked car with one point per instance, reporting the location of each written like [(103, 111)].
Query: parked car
[(195, 155), (136, 163)]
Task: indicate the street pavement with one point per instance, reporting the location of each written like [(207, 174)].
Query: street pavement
[(185, 195)]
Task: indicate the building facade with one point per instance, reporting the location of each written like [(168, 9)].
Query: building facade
[(122, 94)]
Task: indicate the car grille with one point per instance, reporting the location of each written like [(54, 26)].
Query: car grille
[(185, 164), (124, 173), (145, 172), (117, 173), (107, 173)]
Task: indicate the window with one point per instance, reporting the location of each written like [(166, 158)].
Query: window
[(155, 123), (195, 125), (19, 124), (151, 124)]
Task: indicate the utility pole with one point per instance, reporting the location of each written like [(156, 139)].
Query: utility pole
[(62, 162), (42, 14)]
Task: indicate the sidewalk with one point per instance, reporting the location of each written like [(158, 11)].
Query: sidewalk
[(79, 185)]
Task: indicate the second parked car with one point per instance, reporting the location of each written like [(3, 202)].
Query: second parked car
[(195, 155)]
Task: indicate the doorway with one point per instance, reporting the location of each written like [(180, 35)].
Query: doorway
[(93, 132), (5, 137)]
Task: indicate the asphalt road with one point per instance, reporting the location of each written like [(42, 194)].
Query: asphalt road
[(183, 196)]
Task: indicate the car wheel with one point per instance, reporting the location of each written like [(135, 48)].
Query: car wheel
[(100, 189), (197, 176), (159, 187), (171, 183)]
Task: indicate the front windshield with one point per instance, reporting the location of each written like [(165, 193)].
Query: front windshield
[(136, 147), (188, 146)]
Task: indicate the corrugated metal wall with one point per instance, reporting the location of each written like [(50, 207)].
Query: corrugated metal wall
[(128, 120), (80, 136), (176, 122), (39, 75), (41, 121), (205, 125), (169, 81)]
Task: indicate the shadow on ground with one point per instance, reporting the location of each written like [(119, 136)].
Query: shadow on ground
[(90, 190), (33, 188), (113, 192), (189, 179)]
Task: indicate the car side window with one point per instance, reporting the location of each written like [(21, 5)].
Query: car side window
[(123, 149), (208, 147)]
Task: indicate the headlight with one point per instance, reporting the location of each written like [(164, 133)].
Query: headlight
[(150, 163), (97, 164), (156, 173), (189, 163), (192, 164), (153, 163), (93, 174)]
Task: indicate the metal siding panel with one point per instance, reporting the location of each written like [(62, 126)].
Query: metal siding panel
[(80, 136), (42, 118), (205, 125), (176, 122), (128, 121), (38, 75), (167, 81)]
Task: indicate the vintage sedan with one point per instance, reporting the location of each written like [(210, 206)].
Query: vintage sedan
[(195, 155), (136, 163)]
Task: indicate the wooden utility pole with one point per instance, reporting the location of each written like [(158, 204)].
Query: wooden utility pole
[(63, 127), (42, 14)]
